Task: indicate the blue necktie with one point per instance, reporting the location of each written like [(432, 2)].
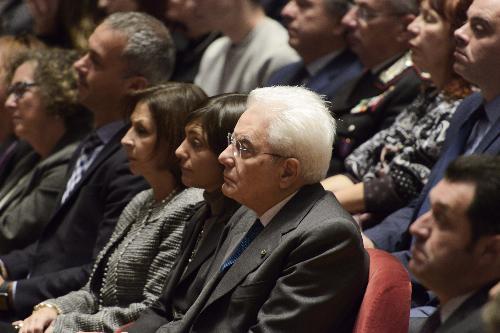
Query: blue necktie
[(456, 148), (87, 155), (256, 228)]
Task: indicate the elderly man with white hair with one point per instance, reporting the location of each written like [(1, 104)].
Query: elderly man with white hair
[(291, 259)]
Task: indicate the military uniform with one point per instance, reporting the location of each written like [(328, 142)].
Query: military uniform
[(370, 103)]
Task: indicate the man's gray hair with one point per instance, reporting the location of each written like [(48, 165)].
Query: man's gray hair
[(403, 7), (150, 50), (337, 8), (301, 126)]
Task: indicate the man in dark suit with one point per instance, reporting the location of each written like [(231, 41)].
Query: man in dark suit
[(127, 52), (456, 253), (474, 129), (293, 254), (376, 32), (316, 33)]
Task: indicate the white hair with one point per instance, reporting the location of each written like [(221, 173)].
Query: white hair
[(301, 126)]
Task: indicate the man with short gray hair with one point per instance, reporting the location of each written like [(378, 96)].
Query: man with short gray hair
[(291, 254)]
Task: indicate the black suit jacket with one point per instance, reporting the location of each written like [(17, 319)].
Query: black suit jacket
[(368, 104), (305, 272), (340, 70), (179, 285), (61, 260)]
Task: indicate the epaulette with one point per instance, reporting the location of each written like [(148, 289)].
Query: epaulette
[(394, 71)]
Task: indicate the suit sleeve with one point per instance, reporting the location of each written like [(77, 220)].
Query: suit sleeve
[(322, 285), (120, 187), (22, 223)]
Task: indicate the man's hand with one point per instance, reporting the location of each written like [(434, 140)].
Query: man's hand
[(39, 321)]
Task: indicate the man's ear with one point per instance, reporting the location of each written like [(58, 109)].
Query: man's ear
[(136, 83), (404, 35), (290, 172)]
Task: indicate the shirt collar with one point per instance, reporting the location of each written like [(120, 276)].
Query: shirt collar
[(314, 67), (492, 110), (108, 131), (271, 212)]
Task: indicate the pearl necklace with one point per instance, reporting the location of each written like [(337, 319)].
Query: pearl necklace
[(141, 226)]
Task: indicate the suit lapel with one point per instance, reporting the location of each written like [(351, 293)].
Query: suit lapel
[(489, 138), (112, 146), (327, 76), (286, 220)]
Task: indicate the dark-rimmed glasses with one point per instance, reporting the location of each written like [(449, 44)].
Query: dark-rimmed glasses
[(20, 88)]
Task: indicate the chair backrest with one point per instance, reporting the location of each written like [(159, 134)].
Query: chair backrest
[(386, 304)]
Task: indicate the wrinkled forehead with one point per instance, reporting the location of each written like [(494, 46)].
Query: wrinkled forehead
[(254, 123)]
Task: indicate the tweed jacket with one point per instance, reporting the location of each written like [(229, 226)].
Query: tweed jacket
[(305, 272), (130, 272), (30, 204)]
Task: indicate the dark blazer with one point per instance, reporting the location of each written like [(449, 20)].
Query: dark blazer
[(467, 318), (340, 70), (179, 287), (305, 272), (370, 103), (392, 234), (61, 260)]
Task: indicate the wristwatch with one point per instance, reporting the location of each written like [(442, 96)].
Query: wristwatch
[(4, 296)]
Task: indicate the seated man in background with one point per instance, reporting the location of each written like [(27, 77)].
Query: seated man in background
[(253, 46), (128, 52), (316, 33), (293, 254), (376, 32), (456, 253)]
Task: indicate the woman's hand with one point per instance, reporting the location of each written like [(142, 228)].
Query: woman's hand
[(39, 321)]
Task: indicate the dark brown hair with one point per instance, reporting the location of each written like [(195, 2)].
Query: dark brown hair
[(170, 105), (219, 117)]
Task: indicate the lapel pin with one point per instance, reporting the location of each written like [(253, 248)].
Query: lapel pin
[(263, 253)]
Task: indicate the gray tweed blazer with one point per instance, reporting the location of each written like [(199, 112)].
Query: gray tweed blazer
[(130, 272)]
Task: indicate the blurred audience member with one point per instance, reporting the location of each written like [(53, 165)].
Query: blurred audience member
[(474, 127), (155, 8), (377, 33), (62, 23), (191, 40), (206, 138), (15, 18), (253, 46), (12, 151), (315, 31), (389, 170), (42, 99), (456, 253), (128, 52), (148, 236)]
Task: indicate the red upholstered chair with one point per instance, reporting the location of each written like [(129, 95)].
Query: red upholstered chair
[(123, 329), (386, 304)]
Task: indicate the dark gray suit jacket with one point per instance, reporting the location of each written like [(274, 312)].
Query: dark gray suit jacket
[(467, 318), (305, 272)]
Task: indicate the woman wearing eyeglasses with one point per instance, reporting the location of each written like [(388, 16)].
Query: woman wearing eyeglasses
[(389, 170), (45, 113)]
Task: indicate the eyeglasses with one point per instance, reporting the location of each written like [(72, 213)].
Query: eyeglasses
[(241, 149), (366, 14), (20, 88)]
